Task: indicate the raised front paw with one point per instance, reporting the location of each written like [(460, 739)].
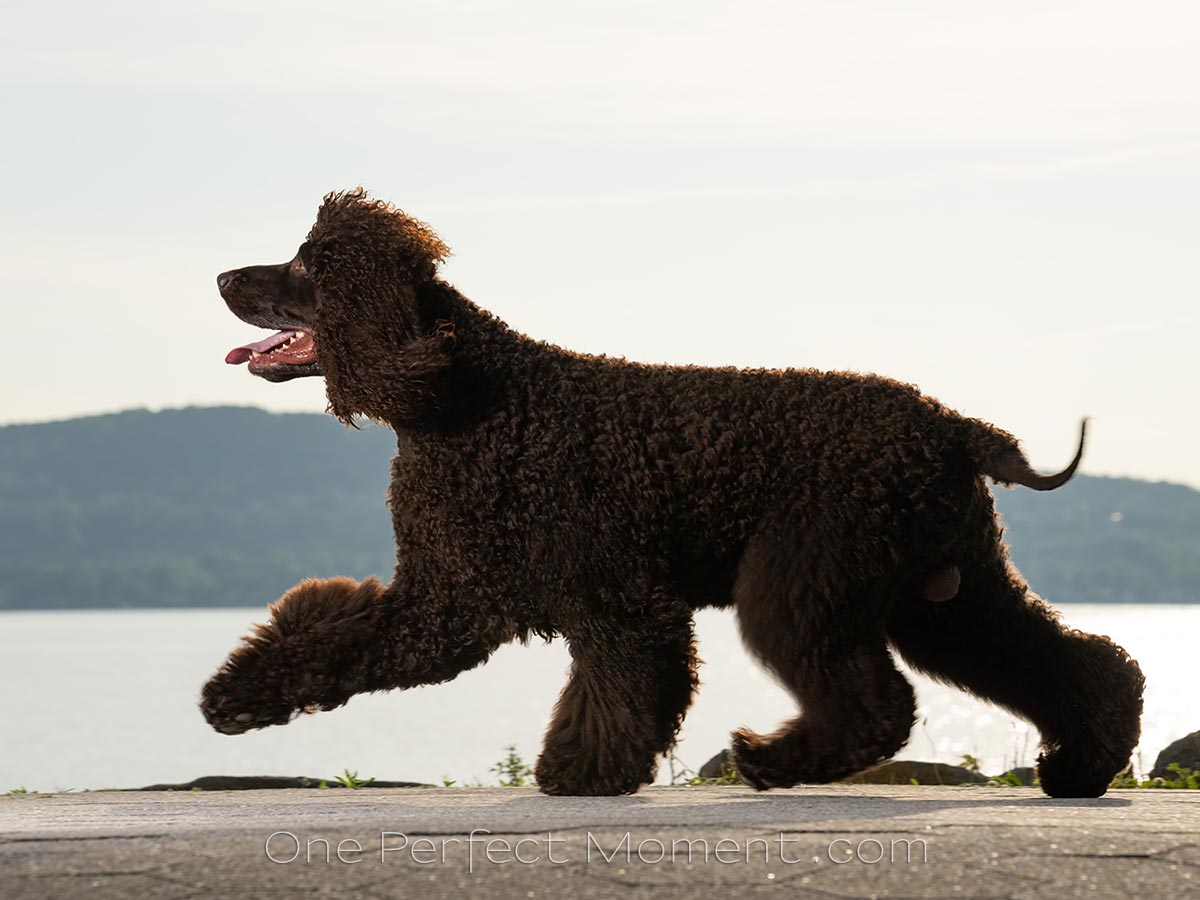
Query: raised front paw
[(234, 705), (316, 652)]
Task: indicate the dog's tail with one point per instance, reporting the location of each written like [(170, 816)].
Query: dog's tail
[(999, 456)]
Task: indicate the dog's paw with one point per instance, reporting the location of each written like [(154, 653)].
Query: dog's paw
[(1071, 774), (243, 722), (578, 776), (231, 711), (752, 757)]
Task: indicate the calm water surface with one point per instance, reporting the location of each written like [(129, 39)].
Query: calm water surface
[(108, 699)]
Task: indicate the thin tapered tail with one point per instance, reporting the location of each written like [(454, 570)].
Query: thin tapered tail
[(1011, 467)]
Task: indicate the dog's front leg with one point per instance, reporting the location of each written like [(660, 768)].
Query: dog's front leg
[(328, 640), (629, 688)]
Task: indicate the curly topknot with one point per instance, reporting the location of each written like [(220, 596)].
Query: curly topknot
[(349, 219)]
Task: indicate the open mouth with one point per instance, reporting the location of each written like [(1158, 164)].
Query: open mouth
[(283, 354)]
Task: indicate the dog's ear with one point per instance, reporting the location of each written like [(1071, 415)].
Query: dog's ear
[(394, 387), (385, 333)]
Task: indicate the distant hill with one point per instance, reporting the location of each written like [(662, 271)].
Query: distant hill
[(230, 506), (192, 507)]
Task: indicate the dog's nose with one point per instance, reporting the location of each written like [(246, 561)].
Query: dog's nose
[(225, 279)]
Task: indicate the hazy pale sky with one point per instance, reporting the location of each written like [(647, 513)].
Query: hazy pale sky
[(998, 202)]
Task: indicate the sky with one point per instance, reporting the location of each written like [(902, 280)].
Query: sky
[(996, 202)]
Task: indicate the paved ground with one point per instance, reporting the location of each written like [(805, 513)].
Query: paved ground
[(812, 842)]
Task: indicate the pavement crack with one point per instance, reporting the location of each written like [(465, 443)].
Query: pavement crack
[(102, 873), (90, 837), (1065, 855)]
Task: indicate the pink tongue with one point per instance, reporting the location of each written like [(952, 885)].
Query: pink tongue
[(239, 355)]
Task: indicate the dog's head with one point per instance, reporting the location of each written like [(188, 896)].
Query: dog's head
[(347, 306), (312, 655)]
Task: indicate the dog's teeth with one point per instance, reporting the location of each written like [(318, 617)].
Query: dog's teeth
[(254, 354), (299, 335)]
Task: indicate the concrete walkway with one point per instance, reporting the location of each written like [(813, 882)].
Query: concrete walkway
[(811, 842)]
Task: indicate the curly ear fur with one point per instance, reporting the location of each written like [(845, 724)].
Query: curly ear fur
[(390, 389), (380, 351)]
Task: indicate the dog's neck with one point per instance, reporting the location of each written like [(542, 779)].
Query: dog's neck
[(478, 336)]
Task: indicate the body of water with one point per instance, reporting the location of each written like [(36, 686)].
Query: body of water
[(95, 699)]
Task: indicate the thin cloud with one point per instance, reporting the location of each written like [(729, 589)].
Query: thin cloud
[(1084, 163)]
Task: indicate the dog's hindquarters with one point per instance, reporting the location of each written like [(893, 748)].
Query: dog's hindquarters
[(1001, 642)]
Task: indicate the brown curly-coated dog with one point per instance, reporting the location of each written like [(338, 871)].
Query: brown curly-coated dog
[(537, 491)]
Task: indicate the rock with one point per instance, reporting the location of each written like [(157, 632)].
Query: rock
[(904, 771), (1024, 774), (261, 782), (717, 767), (891, 772), (1185, 751)]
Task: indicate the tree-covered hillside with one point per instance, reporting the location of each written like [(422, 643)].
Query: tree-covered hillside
[(230, 506), (193, 507)]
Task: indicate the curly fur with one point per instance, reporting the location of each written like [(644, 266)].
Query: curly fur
[(536, 491)]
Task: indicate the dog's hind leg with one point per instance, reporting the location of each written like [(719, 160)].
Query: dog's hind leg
[(821, 635), (630, 686), (1001, 642)]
